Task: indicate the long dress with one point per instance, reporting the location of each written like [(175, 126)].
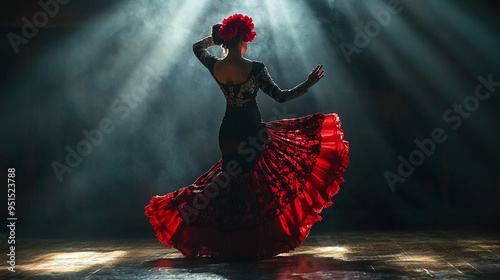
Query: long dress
[(273, 180)]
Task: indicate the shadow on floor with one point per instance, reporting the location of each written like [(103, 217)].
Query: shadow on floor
[(280, 267)]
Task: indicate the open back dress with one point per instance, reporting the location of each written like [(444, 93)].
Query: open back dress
[(270, 185)]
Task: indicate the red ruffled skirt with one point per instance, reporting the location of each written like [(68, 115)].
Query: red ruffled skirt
[(267, 211)]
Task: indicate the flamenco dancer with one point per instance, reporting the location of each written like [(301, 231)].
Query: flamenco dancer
[(273, 180)]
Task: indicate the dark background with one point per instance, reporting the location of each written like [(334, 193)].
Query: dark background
[(393, 92)]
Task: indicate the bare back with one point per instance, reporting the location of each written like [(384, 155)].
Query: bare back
[(232, 72)]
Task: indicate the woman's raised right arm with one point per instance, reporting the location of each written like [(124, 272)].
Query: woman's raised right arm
[(200, 50)]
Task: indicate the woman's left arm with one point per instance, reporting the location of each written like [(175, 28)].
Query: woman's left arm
[(270, 88), (200, 50)]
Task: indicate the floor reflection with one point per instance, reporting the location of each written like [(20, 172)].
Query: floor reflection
[(374, 255), (72, 262)]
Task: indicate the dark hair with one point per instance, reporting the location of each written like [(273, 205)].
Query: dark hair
[(219, 41)]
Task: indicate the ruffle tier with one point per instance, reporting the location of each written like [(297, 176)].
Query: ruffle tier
[(281, 233)]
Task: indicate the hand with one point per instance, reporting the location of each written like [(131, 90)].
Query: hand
[(316, 75)]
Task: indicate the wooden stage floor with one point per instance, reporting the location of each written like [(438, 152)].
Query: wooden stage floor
[(346, 255)]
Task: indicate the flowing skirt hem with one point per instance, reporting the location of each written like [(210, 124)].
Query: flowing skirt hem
[(282, 233)]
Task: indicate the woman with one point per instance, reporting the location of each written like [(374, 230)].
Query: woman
[(273, 179)]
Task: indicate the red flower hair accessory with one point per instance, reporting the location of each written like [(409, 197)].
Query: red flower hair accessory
[(235, 24)]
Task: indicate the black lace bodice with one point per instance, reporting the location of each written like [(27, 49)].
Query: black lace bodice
[(246, 92), (290, 169)]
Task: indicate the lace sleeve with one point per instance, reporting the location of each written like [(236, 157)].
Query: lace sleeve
[(270, 88), (200, 50)]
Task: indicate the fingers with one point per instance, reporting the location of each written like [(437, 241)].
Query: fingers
[(319, 72), (317, 68), (316, 74)]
